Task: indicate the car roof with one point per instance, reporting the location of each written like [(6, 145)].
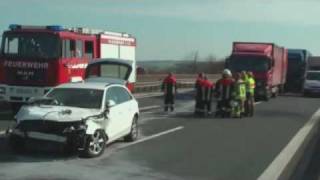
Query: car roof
[(87, 85)]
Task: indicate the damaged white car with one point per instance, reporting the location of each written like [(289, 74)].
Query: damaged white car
[(84, 116)]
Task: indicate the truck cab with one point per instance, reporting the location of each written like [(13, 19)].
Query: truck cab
[(266, 61)]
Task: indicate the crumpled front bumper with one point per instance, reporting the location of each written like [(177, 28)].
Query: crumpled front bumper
[(64, 134), (40, 136)]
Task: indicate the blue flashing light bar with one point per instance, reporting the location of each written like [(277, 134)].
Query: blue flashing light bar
[(55, 28), (51, 27)]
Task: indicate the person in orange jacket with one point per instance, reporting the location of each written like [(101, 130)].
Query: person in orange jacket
[(207, 93), (169, 87)]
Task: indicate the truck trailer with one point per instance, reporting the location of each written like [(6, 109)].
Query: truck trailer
[(267, 61), (297, 66)]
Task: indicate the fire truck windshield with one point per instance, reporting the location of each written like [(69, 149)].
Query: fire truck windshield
[(30, 45), (249, 63)]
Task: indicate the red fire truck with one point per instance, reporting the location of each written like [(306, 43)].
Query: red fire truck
[(35, 58)]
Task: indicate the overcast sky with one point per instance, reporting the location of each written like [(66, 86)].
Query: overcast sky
[(174, 29)]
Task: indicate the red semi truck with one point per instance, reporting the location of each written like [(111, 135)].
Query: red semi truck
[(267, 61)]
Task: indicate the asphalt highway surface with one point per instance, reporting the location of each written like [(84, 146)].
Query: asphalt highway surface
[(175, 145)]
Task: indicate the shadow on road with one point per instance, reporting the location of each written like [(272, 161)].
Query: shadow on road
[(31, 154)]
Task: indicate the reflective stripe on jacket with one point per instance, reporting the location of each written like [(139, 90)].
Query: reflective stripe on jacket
[(240, 90), (252, 85)]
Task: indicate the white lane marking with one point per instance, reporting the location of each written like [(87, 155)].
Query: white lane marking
[(148, 108), (256, 103), (152, 137), (286, 161)]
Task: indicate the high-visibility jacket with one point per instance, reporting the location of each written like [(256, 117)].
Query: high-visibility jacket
[(246, 81), (239, 92), (251, 85)]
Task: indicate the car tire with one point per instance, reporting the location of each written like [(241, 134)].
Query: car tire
[(134, 132), (95, 144), (17, 144)]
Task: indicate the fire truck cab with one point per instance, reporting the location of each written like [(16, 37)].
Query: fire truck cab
[(35, 58)]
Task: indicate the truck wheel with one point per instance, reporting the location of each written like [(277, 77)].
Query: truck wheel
[(281, 89), (134, 133), (267, 96), (95, 145), (275, 94)]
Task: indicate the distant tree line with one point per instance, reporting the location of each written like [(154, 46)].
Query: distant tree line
[(190, 65)]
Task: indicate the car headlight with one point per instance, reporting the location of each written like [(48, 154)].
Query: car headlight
[(2, 90)]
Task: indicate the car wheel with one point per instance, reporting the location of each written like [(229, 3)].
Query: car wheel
[(17, 144), (95, 144), (134, 133)]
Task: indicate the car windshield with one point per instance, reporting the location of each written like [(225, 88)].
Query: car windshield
[(249, 63), (76, 97), (30, 45), (313, 76)]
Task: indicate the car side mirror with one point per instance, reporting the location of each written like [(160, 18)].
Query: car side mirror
[(110, 103)]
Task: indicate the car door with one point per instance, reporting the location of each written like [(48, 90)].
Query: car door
[(127, 108), (119, 116)]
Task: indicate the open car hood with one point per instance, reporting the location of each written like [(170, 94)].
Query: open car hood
[(53, 113)]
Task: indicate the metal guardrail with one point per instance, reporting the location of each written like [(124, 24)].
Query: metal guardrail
[(183, 81), (156, 86)]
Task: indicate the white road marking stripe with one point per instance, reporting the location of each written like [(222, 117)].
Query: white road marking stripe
[(148, 108), (256, 103), (152, 136)]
